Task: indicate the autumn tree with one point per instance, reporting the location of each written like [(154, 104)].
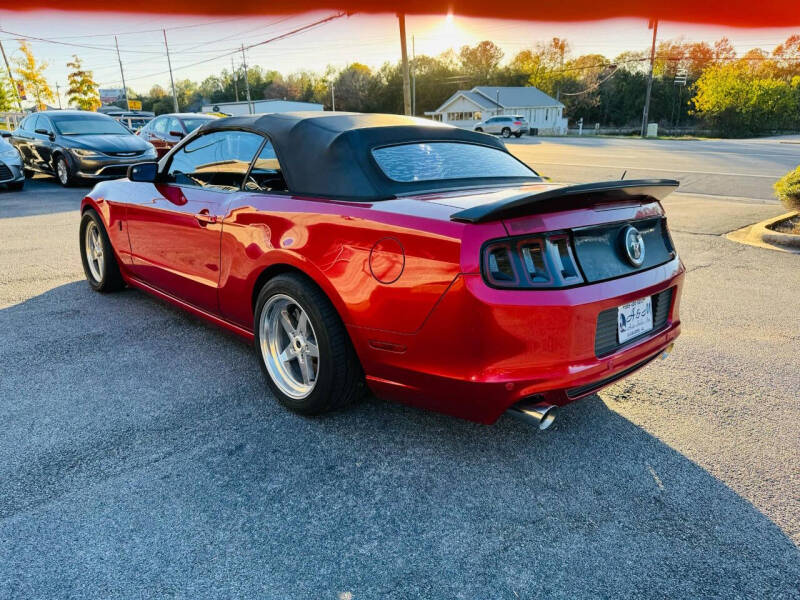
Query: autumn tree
[(31, 73), (479, 62), (8, 100), (82, 88)]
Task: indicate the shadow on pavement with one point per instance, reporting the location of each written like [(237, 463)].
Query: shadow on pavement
[(41, 195), (143, 456)]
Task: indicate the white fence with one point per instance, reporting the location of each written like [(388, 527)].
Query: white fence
[(11, 119)]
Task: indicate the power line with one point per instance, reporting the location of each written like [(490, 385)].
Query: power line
[(276, 38)]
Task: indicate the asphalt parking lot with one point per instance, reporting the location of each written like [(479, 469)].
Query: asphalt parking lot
[(143, 455)]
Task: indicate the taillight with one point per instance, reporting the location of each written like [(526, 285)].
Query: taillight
[(517, 122), (537, 262)]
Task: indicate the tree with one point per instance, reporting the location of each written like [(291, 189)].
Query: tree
[(737, 99), (31, 73), (352, 87), (480, 62), (82, 88), (8, 100)]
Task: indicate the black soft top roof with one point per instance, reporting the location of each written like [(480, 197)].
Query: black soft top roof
[(329, 153)]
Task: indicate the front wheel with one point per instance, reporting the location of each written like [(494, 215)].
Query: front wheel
[(63, 172), (506, 133), (16, 186), (303, 347), (479, 129), (99, 263)]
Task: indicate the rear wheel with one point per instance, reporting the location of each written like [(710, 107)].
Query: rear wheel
[(479, 129), (99, 263), (506, 133), (303, 347)]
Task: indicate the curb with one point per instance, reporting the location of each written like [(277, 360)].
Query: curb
[(761, 235)]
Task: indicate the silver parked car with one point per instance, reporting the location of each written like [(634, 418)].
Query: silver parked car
[(11, 172), (505, 125)]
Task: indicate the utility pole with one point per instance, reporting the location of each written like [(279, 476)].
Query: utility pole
[(235, 76), (122, 74), (169, 64), (58, 95), (333, 96), (11, 78), (654, 26), (404, 53), (246, 82), (413, 78)]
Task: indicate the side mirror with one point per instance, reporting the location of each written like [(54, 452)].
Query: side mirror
[(177, 134), (146, 172)]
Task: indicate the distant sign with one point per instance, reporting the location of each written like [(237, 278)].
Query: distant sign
[(134, 105), (109, 96)]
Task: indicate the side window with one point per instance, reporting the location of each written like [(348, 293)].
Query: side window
[(33, 123), (24, 124), (218, 160), (44, 123), (173, 125), (160, 126), (266, 175)]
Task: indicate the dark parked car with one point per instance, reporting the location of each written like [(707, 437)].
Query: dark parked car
[(75, 145), (167, 130)]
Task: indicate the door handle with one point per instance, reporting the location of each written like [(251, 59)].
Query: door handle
[(204, 217)]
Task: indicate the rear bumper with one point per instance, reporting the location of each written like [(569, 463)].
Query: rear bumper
[(482, 350)]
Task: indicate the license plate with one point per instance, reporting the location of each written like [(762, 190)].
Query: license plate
[(634, 319)]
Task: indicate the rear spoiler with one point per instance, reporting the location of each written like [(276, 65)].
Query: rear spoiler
[(605, 191)]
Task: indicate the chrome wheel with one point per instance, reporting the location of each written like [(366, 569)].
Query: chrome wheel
[(61, 171), (289, 346), (94, 251)]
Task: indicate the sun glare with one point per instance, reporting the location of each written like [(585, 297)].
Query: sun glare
[(444, 34)]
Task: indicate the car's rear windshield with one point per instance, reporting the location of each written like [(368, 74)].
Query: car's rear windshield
[(194, 123), (80, 125), (436, 161)]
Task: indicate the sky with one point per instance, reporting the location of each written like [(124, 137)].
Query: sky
[(368, 39)]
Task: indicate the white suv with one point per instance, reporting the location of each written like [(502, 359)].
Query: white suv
[(505, 125)]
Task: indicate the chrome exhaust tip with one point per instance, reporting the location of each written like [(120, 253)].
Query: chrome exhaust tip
[(667, 351), (541, 414)]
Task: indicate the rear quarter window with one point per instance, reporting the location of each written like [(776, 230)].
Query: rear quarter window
[(436, 161)]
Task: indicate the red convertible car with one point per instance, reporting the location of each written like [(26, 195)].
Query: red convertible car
[(422, 260)]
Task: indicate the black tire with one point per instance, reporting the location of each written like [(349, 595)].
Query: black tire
[(16, 186), (506, 133), (340, 379), (110, 279), (518, 134), (480, 129), (66, 177)]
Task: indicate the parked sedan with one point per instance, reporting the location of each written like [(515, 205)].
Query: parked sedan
[(422, 260), (74, 145), (506, 125), (12, 173), (167, 130)]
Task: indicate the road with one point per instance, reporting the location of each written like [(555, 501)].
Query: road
[(740, 168), (144, 458)]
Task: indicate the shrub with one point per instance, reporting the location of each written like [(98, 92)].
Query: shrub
[(787, 188)]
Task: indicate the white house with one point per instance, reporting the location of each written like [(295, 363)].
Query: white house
[(238, 109), (466, 108)]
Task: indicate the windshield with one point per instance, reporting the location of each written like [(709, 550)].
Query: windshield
[(194, 123), (435, 161), (80, 125)]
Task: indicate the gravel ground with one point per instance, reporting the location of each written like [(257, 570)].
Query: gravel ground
[(143, 456)]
